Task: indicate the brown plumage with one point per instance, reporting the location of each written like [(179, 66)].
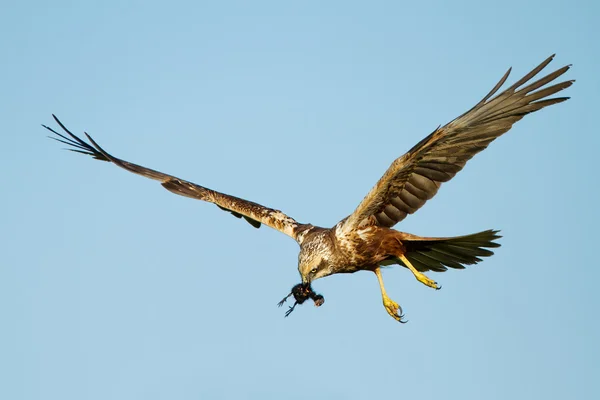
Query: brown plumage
[(364, 240)]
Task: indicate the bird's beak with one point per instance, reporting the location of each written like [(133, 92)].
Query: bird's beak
[(305, 280)]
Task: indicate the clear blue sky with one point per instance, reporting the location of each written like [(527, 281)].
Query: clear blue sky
[(113, 288)]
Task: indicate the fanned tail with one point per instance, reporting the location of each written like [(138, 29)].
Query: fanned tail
[(439, 254)]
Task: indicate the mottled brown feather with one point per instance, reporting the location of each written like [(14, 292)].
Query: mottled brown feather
[(415, 177), (254, 213)]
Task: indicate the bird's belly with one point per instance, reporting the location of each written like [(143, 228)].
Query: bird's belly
[(350, 269)]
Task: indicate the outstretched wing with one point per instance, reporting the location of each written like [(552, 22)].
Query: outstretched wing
[(416, 176), (254, 213)]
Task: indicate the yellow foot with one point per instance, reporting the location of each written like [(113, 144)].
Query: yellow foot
[(420, 277), (393, 309), (426, 281)]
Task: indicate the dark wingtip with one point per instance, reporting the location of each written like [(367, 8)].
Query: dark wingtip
[(77, 144)]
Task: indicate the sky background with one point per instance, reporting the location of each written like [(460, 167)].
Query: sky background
[(113, 288)]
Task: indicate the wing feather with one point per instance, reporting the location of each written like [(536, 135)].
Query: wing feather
[(253, 213), (415, 177)]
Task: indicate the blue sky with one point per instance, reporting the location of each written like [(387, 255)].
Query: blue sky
[(113, 288)]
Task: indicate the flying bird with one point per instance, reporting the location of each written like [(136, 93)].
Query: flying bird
[(365, 240)]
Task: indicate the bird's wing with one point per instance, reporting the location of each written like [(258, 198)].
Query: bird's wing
[(416, 176), (254, 213)]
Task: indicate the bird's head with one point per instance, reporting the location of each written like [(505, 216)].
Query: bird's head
[(313, 266), (316, 251)]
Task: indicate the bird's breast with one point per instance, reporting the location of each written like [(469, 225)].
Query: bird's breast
[(365, 248)]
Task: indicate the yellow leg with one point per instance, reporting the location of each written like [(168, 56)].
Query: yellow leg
[(390, 305), (420, 276)]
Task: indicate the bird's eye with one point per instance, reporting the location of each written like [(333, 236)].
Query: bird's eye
[(313, 271)]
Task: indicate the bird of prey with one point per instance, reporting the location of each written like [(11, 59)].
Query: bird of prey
[(365, 240)]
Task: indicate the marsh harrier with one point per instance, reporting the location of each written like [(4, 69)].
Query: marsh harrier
[(364, 240)]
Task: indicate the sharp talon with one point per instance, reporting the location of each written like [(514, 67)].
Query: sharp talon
[(439, 287)]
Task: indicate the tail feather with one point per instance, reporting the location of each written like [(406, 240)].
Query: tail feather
[(439, 254)]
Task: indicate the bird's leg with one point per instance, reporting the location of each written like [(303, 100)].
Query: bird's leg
[(390, 305), (284, 300), (420, 276), (289, 311)]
